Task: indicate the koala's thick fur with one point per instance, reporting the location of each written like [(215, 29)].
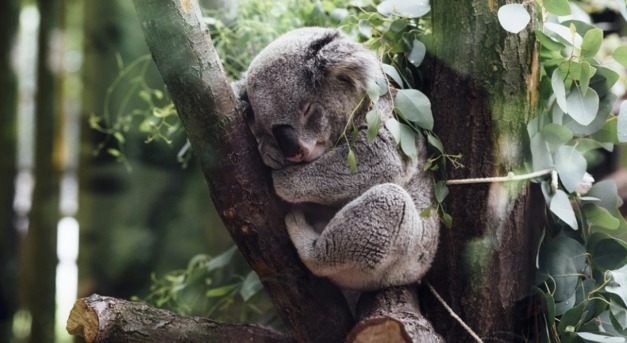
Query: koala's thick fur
[(297, 97)]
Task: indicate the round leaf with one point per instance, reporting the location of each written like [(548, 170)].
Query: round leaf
[(557, 7), (560, 206), (513, 17), (608, 254), (591, 43), (571, 167), (620, 55), (556, 135), (583, 107), (557, 83), (417, 53), (404, 8), (621, 125), (565, 259), (415, 106)]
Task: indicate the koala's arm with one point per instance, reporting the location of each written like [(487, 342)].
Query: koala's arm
[(328, 180)]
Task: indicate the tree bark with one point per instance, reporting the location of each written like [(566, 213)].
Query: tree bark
[(483, 94), (41, 239), (312, 308), (392, 315), (8, 167), (108, 320)]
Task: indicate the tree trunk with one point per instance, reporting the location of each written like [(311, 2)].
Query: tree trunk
[(240, 185), (483, 94), (42, 233), (8, 146)]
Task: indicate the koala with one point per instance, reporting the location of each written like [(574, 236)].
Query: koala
[(299, 96)]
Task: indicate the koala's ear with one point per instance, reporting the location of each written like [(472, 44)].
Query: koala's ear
[(241, 96), (335, 56)]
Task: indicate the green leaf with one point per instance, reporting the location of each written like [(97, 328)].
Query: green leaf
[(621, 124), (540, 154), (557, 83), (222, 259), (435, 142), (114, 152), (600, 217), (395, 129), (608, 254), (513, 17), (251, 286), (587, 71), (608, 133), (583, 107), (561, 207), (607, 192), (556, 135), (365, 29), (220, 291), (441, 191), (351, 160), (548, 42), (557, 7), (571, 319), (408, 9), (417, 53), (376, 88), (447, 220), (415, 106), (393, 73), (618, 283), (619, 313), (374, 123), (620, 55), (408, 141), (563, 34), (597, 337), (591, 43), (571, 167)]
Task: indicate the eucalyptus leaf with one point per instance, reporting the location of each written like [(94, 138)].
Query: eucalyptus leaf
[(556, 135), (365, 29), (618, 283), (571, 318), (607, 192), (374, 124), (395, 129), (403, 8), (351, 160), (621, 124), (408, 141), (564, 34), (548, 42), (557, 7), (441, 191), (415, 106), (417, 53), (600, 217), (620, 55), (251, 286), (571, 167), (393, 73), (597, 337), (618, 312), (608, 254), (587, 71), (222, 259), (583, 107), (513, 17), (561, 207), (435, 142), (540, 154), (557, 83), (591, 43)]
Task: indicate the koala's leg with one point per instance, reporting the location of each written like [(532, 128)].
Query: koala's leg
[(375, 241)]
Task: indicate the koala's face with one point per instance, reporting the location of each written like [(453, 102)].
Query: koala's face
[(302, 89)]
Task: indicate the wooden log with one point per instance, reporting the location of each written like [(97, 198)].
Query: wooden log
[(101, 319)]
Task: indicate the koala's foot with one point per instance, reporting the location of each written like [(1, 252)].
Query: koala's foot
[(375, 241)]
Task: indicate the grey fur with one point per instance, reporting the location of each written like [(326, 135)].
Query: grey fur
[(376, 237)]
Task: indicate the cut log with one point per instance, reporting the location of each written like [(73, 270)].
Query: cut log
[(392, 315), (101, 319)]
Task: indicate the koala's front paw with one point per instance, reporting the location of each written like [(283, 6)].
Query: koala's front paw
[(270, 153), (295, 223)]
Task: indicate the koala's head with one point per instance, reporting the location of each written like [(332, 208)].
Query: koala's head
[(302, 89)]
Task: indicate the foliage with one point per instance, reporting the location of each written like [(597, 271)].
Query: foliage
[(582, 272), (208, 288)]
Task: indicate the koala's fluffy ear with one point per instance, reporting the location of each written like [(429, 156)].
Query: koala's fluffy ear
[(241, 96), (334, 55)]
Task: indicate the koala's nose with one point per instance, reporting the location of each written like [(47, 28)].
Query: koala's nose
[(288, 140)]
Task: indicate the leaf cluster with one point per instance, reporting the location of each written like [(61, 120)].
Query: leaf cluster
[(209, 288), (581, 274)]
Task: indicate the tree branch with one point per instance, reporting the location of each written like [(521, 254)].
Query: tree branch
[(312, 308), (104, 319)]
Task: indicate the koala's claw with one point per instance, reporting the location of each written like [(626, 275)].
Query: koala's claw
[(295, 221)]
